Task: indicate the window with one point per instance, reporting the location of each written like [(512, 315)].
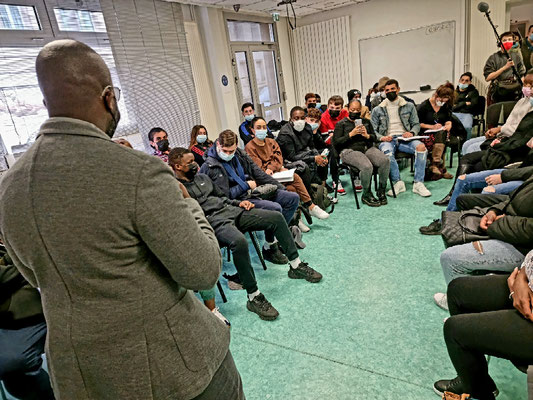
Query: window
[(80, 20), (245, 31), (18, 18)]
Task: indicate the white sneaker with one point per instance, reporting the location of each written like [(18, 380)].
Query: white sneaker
[(303, 227), (219, 315), (316, 211), (441, 299), (419, 188), (357, 184), (399, 187)]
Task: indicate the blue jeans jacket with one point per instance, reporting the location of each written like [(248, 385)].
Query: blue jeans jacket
[(408, 116)]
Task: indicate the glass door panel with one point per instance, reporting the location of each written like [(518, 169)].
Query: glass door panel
[(243, 75)]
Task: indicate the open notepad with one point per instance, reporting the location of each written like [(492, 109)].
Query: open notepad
[(284, 176), (409, 139)]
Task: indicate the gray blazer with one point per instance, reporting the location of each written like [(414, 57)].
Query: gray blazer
[(106, 234)]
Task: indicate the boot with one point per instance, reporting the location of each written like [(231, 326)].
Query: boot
[(462, 169), (436, 155), (381, 196), (444, 171), (369, 199)]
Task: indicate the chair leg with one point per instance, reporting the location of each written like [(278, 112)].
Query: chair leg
[(392, 187), (412, 165), (352, 178), (222, 294), (451, 158), (257, 249), (228, 253)]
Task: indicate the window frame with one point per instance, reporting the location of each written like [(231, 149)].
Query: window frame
[(20, 37)]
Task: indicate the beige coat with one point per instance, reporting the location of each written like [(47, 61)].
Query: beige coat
[(106, 234)]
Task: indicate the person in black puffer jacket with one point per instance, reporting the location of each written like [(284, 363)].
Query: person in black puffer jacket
[(466, 102)]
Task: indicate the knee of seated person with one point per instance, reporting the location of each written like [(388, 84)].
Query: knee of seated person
[(240, 244), (20, 362), (457, 286), (451, 325), (462, 177), (489, 189), (421, 147), (446, 256)]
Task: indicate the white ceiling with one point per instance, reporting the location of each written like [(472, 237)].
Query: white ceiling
[(301, 7)]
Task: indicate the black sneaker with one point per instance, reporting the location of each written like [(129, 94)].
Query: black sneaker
[(262, 307), (382, 197), (456, 386), (329, 188), (304, 271), (432, 229), (274, 255), (370, 200), (234, 281)]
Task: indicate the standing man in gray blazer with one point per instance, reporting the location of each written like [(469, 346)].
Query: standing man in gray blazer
[(108, 236)]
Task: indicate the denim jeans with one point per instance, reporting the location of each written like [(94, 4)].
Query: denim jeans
[(476, 180), (467, 120), (472, 145), (390, 148), (464, 259), (21, 362)]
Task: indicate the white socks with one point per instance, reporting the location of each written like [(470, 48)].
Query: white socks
[(294, 263), (267, 245), (252, 296)]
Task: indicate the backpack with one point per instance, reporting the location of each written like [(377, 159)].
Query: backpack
[(320, 196)]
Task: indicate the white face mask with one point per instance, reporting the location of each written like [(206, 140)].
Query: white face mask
[(299, 125), (383, 95), (440, 103)]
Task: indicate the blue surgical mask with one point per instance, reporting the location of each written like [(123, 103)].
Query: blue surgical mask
[(531, 37), (515, 46), (201, 138), (463, 86), (225, 157), (261, 134), (318, 105), (249, 117), (314, 125), (531, 101)]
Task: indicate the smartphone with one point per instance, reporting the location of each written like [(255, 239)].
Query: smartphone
[(358, 122)]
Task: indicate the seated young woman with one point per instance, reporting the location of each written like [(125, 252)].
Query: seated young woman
[(199, 143), (266, 153), (435, 113)]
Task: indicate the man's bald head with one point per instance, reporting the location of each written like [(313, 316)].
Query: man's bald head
[(73, 79)]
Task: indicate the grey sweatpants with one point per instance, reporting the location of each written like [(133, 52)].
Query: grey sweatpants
[(365, 163)]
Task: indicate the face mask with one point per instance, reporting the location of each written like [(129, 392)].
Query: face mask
[(249, 117), (314, 125), (440, 103), (383, 95), (515, 45), (261, 134), (334, 113), (311, 105), (527, 91), (463, 86), (112, 126), (531, 101), (318, 105), (201, 138), (355, 115), (162, 145), (191, 172), (225, 157), (392, 96), (507, 45), (531, 37), (299, 125)]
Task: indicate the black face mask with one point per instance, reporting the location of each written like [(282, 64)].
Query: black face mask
[(392, 96), (112, 126), (311, 105), (191, 172), (334, 113), (163, 145), (354, 115)]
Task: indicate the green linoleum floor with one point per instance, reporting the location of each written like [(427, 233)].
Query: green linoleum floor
[(370, 329)]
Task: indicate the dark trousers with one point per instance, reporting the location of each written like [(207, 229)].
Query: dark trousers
[(484, 322), (226, 383), (473, 160), (284, 202), (469, 201), (230, 235), (333, 164), (21, 363)]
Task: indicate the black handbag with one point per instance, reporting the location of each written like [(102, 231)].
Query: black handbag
[(460, 227)]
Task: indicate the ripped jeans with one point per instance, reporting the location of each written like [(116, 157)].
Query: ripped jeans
[(390, 148), (464, 259)]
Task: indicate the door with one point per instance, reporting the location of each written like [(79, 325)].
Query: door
[(257, 75)]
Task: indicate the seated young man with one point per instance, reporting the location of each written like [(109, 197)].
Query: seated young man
[(310, 102), (22, 335), (237, 176), (158, 139), (490, 315), (229, 218), (392, 119), (248, 112), (265, 152), (354, 140), (297, 143), (509, 225), (329, 119)]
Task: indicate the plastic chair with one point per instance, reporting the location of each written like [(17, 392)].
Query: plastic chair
[(479, 116), (498, 113)]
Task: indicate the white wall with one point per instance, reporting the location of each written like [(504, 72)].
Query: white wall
[(523, 12), (380, 17)]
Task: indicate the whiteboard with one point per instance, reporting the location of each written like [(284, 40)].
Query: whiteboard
[(414, 57)]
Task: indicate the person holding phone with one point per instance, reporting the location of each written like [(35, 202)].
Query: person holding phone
[(354, 140)]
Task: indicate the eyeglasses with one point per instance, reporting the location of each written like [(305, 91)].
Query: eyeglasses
[(116, 91)]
